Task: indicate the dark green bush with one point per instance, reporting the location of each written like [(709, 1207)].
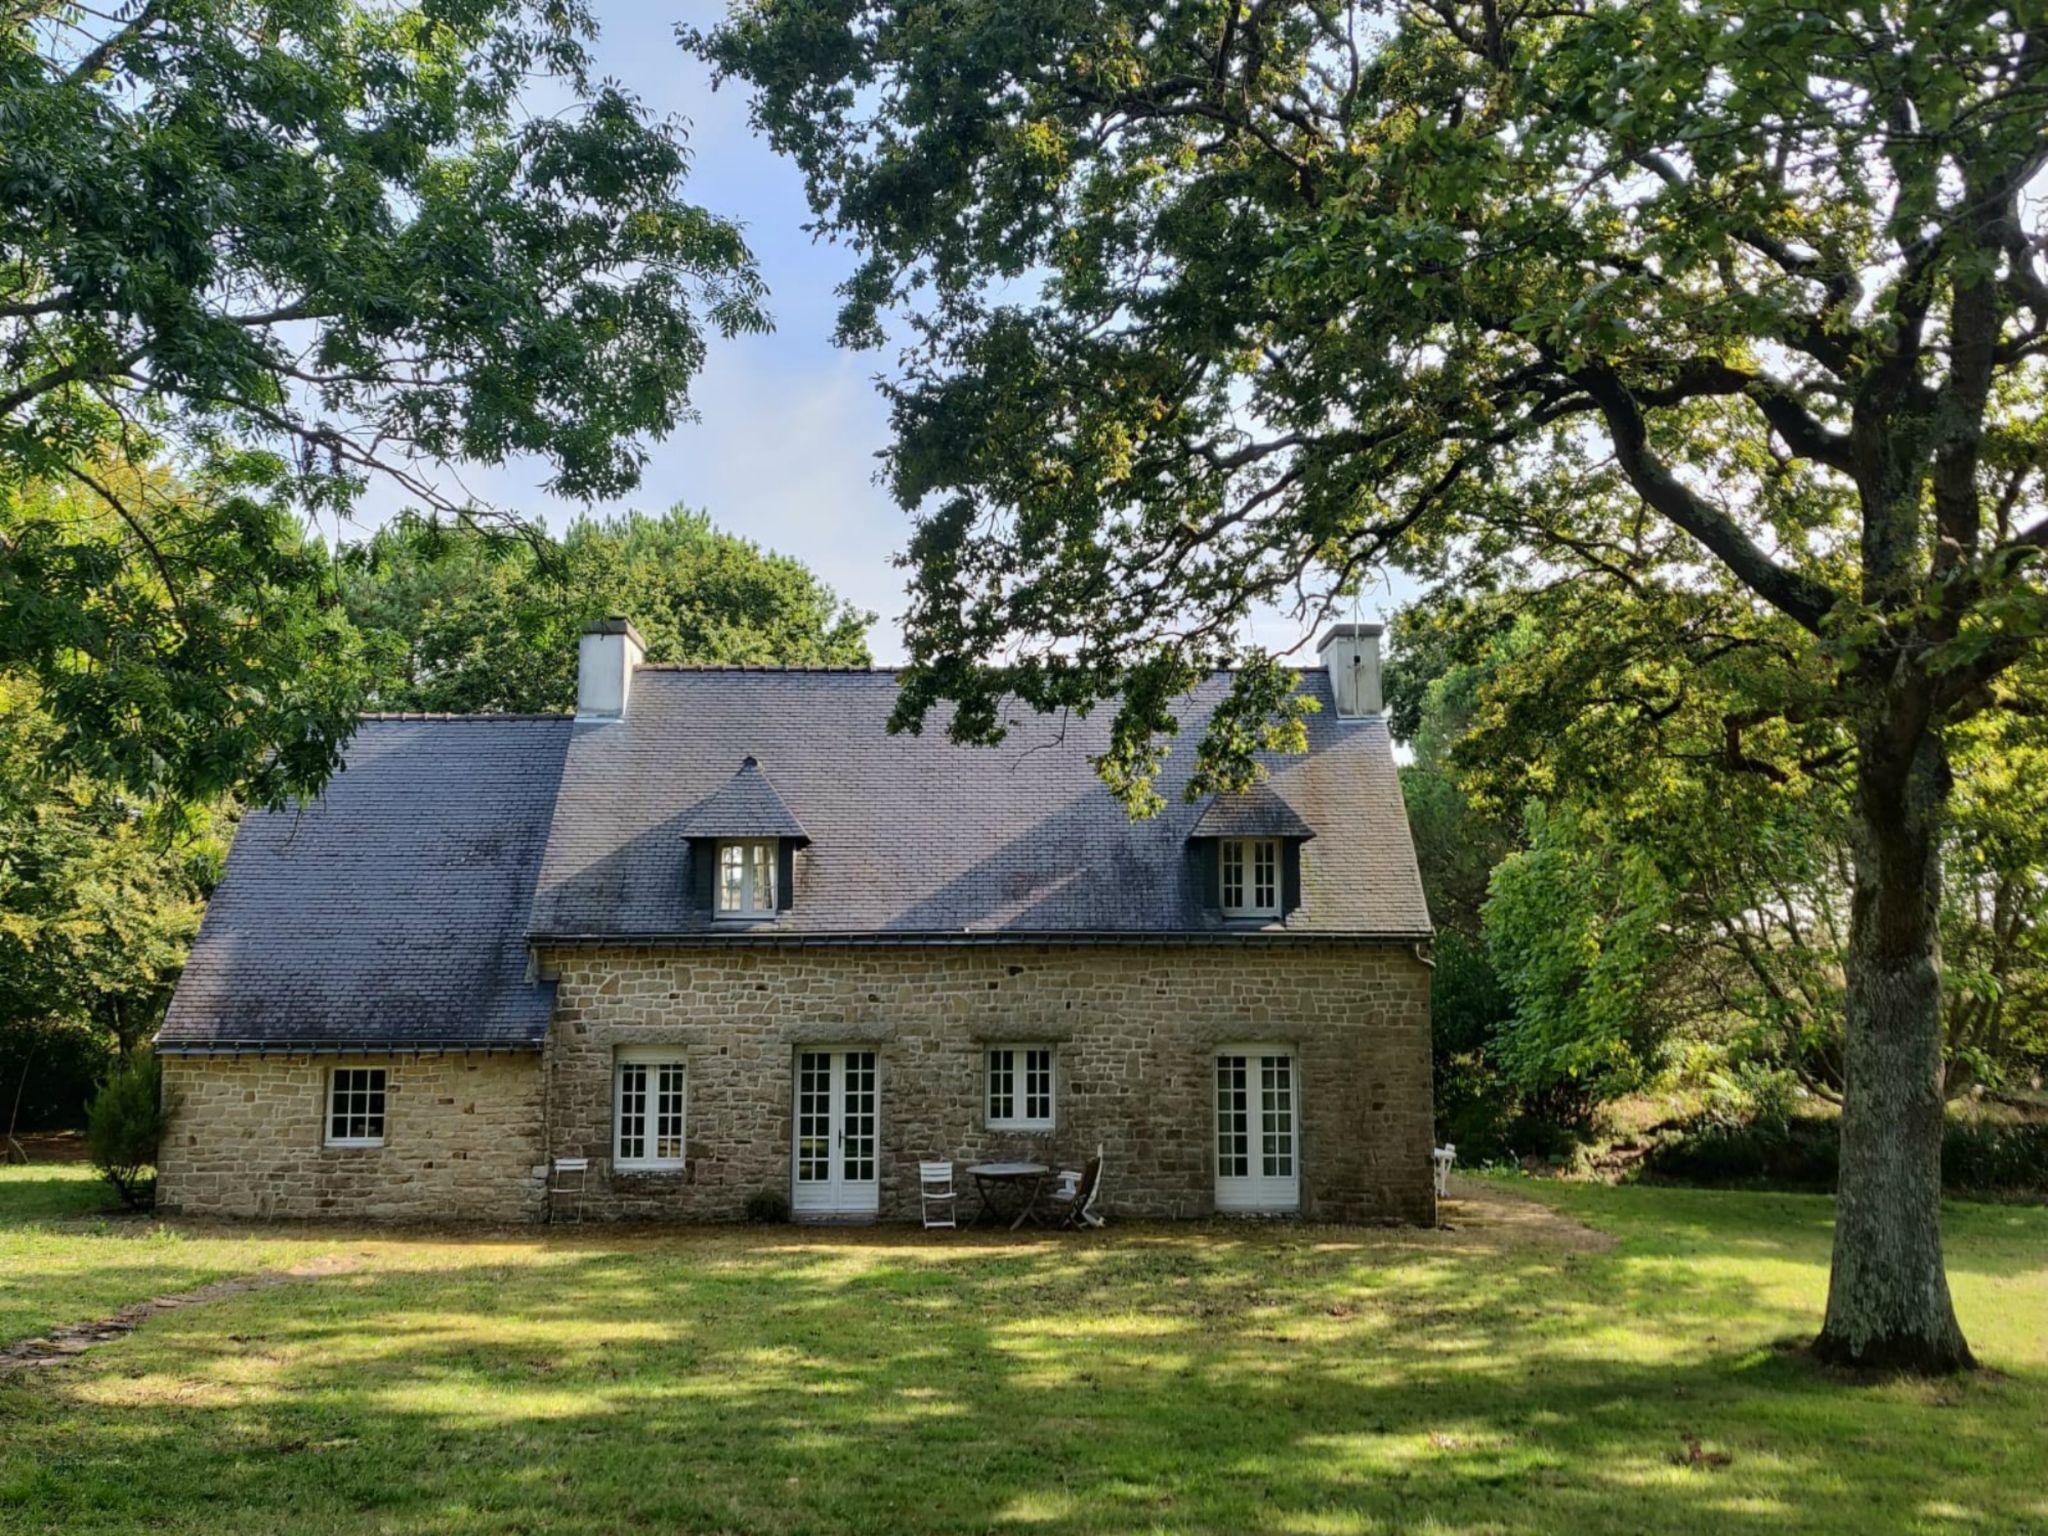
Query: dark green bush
[(1804, 1153), (770, 1207), (55, 1067), (1994, 1158), (123, 1128)]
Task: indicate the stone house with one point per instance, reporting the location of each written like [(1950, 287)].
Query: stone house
[(722, 933)]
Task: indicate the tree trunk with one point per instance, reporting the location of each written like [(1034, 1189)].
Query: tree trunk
[(1888, 1300)]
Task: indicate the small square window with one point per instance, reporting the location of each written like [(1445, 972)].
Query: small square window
[(1250, 876), (648, 1095), (1020, 1088), (355, 1107), (746, 879)]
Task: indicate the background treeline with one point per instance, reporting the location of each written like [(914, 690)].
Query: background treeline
[(1631, 804), (102, 888)]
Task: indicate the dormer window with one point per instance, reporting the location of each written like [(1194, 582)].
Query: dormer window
[(1246, 850), (746, 878), (1250, 876), (742, 844)]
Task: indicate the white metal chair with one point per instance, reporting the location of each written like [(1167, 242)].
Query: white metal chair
[(567, 1179), (936, 1196), (1443, 1157)]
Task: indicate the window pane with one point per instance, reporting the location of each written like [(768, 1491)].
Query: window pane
[(1264, 895), (1002, 1085), (1276, 1121), (632, 1111), (732, 873), (668, 1119), (858, 1159), (1038, 1085), (764, 878), (814, 1116), (1233, 1131), (1233, 876)]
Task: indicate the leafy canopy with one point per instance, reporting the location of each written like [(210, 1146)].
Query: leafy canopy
[(463, 621), (282, 248), (1212, 304)]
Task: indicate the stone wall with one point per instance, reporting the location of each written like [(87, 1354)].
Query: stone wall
[(1135, 1030), (462, 1139)]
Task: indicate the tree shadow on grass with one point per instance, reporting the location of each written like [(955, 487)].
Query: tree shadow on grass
[(1225, 1379)]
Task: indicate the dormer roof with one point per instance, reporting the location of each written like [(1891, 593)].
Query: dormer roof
[(1255, 812), (745, 806)]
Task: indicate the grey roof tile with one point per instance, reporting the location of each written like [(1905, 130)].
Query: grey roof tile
[(911, 834), (393, 907)]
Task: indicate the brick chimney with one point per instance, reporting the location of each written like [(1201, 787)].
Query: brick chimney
[(606, 655), (1352, 653)]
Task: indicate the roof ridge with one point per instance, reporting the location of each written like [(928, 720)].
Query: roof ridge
[(482, 717), (758, 666), (824, 667)]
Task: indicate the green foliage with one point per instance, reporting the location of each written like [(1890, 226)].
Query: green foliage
[(289, 246), (98, 902), (1665, 731), (178, 633), (1217, 305), (1576, 933), (465, 620), (124, 1128), (49, 1071)]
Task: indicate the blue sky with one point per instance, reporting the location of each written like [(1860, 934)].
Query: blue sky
[(784, 450)]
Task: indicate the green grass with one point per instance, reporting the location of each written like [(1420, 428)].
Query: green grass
[(69, 1254), (1518, 1374)]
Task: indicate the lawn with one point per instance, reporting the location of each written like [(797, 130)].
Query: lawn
[(1522, 1373)]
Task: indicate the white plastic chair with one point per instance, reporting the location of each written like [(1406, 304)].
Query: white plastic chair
[(935, 1195), (1443, 1158)]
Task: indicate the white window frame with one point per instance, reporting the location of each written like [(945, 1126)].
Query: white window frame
[(377, 1081), (653, 1058), (1019, 1069), (759, 860), (1238, 862)]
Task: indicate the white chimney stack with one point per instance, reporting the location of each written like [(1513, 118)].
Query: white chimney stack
[(605, 658), (1352, 653)]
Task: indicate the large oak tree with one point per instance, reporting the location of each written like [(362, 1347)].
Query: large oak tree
[(1228, 299), (256, 254)]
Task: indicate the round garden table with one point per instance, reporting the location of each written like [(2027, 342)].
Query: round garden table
[(1014, 1184)]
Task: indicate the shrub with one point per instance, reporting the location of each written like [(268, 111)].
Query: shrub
[(1788, 1153), (1803, 1152), (2005, 1159), (123, 1127), (49, 1071), (770, 1207)]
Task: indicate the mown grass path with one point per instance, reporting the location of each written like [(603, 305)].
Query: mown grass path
[(1608, 1360)]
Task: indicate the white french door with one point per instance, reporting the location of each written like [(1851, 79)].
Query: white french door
[(1258, 1139), (836, 1162)]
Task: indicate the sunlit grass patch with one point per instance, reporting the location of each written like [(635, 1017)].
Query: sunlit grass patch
[(1522, 1374)]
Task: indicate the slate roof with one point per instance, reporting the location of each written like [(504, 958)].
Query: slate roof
[(913, 836), (745, 806), (393, 908), (1255, 812)]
